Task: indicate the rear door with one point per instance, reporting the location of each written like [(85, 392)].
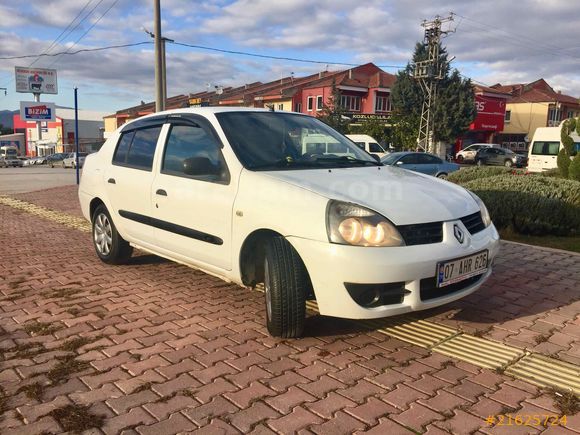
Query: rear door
[(543, 155), (408, 161), (427, 164), (192, 195), (129, 178)]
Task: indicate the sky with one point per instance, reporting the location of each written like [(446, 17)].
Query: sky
[(493, 41)]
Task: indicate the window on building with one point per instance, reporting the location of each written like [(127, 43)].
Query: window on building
[(298, 108), (310, 101), (281, 106), (554, 117), (383, 104), (319, 102), (570, 114), (350, 103), (508, 116)]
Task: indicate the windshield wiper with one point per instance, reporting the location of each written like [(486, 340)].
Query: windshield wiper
[(284, 163), (346, 159)]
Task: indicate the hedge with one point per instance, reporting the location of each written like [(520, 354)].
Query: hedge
[(467, 174), (530, 204)]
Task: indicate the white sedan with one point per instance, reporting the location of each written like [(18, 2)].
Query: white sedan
[(242, 194), (70, 161)]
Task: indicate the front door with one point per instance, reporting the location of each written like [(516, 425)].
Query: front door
[(193, 197)]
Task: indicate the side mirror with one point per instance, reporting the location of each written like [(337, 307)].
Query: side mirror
[(199, 166)]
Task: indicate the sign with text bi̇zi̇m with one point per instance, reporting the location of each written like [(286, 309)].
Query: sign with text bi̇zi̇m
[(37, 111), (36, 80)]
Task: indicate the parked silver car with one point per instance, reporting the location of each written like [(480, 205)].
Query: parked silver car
[(70, 161)]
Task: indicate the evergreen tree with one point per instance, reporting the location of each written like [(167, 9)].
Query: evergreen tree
[(454, 107), (333, 113)]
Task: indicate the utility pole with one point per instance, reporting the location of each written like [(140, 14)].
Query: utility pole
[(429, 72), (159, 73), (160, 68)]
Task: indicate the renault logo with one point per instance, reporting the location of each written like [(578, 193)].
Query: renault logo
[(458, 233)]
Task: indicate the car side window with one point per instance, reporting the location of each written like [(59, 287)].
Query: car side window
[(193, 152), (409, 159), (120, 156), (375, 148), (426, 159)]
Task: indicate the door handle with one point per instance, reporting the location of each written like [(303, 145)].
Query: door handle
[(161, 192), (111, 181)]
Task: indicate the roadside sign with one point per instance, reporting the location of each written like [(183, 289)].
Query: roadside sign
[(36, 80), (37, 111)]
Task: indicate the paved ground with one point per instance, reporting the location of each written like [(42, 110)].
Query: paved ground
[(155, 347), (29, 178)]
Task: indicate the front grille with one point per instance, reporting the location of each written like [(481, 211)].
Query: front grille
[(473, 223), (422, 234), (429, 289)]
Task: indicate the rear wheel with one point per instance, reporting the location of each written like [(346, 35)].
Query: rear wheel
[(109, 245), (442, 175), (286, 284)]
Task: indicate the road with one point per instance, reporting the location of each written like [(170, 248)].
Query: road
[(31, 178)]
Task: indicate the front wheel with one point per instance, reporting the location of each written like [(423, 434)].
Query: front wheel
[(508, 163), (479, 162), (109, 245), (286, 285)]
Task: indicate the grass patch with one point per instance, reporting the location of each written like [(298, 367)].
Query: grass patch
[(28, 350), (566, 402), (77, 418), (65, 293), (41, 328), (66, 366), (33, 391), (570, 243), (73, 344)]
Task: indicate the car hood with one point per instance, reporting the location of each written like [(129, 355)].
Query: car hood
[(404, 197)]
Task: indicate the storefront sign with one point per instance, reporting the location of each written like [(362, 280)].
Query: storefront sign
[(369, 117), (37, 111), (36, 80), (490, 114)]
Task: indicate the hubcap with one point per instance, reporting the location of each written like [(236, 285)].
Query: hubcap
[(267, 291), (103, 234)]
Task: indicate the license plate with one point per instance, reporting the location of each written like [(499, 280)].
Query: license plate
[(452, 271)]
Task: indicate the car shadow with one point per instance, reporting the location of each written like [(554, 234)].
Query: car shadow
[(146, 259)]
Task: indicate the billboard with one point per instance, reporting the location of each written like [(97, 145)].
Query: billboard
[(36, 80), (37, 111), (490, 114)]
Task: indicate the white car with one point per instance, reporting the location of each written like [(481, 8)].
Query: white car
[(70, 161), (368, 143), (468, 153), (231, 192)]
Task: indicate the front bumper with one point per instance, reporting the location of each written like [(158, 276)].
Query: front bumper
[(330, 266)]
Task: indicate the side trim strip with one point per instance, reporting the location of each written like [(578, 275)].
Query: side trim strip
[(172, 228)]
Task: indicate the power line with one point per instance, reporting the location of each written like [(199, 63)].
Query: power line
[(62, 34), (264, 56), (81, 50), (91, 27)]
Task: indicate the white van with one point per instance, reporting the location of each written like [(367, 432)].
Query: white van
[(367, 143), (545, 146)]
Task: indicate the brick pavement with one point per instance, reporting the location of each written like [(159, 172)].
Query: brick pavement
[(155, 347)]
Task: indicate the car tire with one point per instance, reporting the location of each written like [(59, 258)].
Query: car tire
[(286, 285), (110, 247), (442, 175), (460, 159), (508, 163), (478, 162)]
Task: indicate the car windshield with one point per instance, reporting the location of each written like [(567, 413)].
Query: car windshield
[(390, 159), (281, 140)]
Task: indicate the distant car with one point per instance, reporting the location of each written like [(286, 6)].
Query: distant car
[(501, 157), (367, 143), (7, 161), (468, 153), (420, 162), (40, 160), (26, 161), (56, 159), (71, 162)]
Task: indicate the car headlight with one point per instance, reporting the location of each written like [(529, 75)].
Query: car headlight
[(485, 217), (351, 224)]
